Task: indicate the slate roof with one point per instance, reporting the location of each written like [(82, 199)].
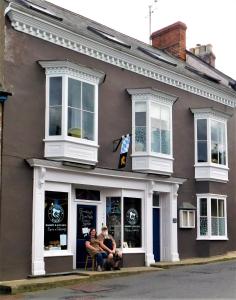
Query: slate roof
[(80, 25)]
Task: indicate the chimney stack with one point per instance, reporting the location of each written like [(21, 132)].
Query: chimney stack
[(171, 39), (205, 53)]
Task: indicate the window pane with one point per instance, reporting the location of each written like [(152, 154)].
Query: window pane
[(74, 93), (203, 207), (214, 131), (113, 218), (214, 212), (88, 97), (221, 226), (55, 91), (87, 194), (140, 139), (202, 151), (132, 222), (165, 142), (74, 122), (55, 120), (203, 226), (165, 118), (214, 153), (140, 118), (202, 129), (185, 218), (221, 209), (55, 221), (214, 226), (88, 126), (191, 218), (156, 138)]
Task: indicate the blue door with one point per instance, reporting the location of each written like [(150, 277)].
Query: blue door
[(156, 233), (86, 218)]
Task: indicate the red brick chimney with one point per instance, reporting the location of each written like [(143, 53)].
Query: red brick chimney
[(172, 39)]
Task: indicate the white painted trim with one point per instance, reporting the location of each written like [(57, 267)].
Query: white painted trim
[(54, 33)]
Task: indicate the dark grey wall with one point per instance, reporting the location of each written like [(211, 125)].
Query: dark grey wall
[(24, 120)]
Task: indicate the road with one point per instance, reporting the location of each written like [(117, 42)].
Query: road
[(212, 281)]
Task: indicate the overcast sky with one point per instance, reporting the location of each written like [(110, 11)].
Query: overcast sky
[(208, 21)]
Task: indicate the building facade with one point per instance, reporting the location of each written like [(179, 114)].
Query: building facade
[(77, 88)]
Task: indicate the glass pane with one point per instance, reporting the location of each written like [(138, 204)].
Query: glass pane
[(214, 226), (221, 209), (55, 120), (222, 155), (214, 153), (88, 97), (156, 199), (202, 151), (185, 218), (55, 91), (203, 207), (140, 139), (55, 221), (202, 129), (74, 122), (156, 140), (87, 194), (113, 218), (165, 142), (215, 131), (88, 126), (132, 222), (74, 93), (221, 226), (165, 118), (203, 226), (140, 119), (191, 215), (214, 208)]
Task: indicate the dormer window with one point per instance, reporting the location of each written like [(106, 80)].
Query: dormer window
[(211, 155), (71, 112), (152, 131)]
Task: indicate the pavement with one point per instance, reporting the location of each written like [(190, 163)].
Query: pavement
[(60, 280)]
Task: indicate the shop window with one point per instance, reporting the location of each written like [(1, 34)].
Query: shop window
[(56, 221), (113, 218), (132, 222)]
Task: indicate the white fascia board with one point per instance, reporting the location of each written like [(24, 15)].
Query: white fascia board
[(53, 32)]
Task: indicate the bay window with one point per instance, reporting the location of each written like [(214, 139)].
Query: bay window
[(211, 161), (212, 221), (152, 131), (71, 127)]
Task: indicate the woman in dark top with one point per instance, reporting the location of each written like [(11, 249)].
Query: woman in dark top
[(93, 246)]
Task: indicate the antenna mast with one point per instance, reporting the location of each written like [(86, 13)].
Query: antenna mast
[(150, 12)]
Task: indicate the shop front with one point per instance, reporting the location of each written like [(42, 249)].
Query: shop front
[(140, 211)]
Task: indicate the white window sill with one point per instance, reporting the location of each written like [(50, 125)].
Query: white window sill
[(52, 253), (71, 150), (211, 172), (213, 238), (149, 163)]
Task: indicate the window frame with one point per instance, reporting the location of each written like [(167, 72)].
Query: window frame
[(181, 217), (210, 171), (149, 161), (209, 235), (64, 122), (209, 141), (64, 147)]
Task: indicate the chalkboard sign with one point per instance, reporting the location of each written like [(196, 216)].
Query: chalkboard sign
[(86, 219)]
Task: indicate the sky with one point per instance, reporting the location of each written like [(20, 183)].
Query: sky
[(208, 21)]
